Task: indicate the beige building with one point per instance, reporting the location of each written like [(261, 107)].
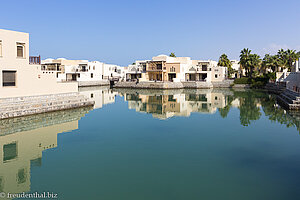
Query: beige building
[(164, 68), (21, 74)]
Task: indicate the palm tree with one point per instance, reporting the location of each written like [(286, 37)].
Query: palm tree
[(254, 63), (244, 60), (225, 62), (172, 55), (288, 58), (292, 57), (267, 63)]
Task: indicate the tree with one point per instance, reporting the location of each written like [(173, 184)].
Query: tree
[(254, 63), (292, 57), (244, 60), (225, 62), (271, 62), (288, 58), (172, 55), (267, 63)]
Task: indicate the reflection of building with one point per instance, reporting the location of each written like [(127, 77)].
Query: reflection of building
[(176, 103), (100, 95), (23, 140)]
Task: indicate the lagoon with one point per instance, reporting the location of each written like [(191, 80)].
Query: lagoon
[(156, 144)]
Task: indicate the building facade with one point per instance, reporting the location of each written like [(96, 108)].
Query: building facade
[(21, 75), (82, 70), (164, 68)]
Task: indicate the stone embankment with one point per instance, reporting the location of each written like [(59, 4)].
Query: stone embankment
[(275, 88), (26, 123), (92, 83), (174, 85), (289, 100), (22, 106)]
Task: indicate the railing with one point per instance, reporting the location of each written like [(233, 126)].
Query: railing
[(154, 68), (34, 60)]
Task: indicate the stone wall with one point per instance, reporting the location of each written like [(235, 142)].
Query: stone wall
[(173, 85), (93, 83), (22, 106)]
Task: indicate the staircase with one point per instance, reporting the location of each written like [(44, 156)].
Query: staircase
[(22, 106), (289, 99)]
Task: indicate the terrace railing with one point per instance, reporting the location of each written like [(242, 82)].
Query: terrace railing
[(34, 60)]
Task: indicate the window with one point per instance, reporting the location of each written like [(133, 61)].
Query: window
[(92, 75), (21, 176), (159, 66), (216, 75), (94, 68), (0, 48), (9, 151), (20, 50), (9, 78), (78, 75), (92, 95)]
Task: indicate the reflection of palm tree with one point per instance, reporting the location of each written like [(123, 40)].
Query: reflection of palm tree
[(224, 111), (277, 114), (249, 110)]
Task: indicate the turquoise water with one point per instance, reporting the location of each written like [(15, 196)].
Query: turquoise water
[(152, 145)]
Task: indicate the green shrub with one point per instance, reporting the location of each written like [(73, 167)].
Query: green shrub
[(258, 84), (243, 80)]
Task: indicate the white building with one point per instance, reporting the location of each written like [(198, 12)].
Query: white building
[(205, 70), (82, 71), (175, 69), (113, 71)]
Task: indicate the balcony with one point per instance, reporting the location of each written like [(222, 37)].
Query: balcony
[(34, 60)]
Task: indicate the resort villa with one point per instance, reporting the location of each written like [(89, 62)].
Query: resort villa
[(21, 75), (82, 71), (164, 68)]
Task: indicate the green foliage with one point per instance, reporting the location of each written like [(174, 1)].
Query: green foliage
[(225, 62), (287, 58), (172, 55), (254, 66), (249, 62), (256, 82), (242, 80)]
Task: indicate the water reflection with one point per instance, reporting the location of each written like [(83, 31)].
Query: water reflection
[(169, 103), (101, 95), (23, 140)]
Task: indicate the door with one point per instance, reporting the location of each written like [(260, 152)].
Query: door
[(171, 77)]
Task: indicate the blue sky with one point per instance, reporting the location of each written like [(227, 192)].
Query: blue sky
[(121, 32)]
